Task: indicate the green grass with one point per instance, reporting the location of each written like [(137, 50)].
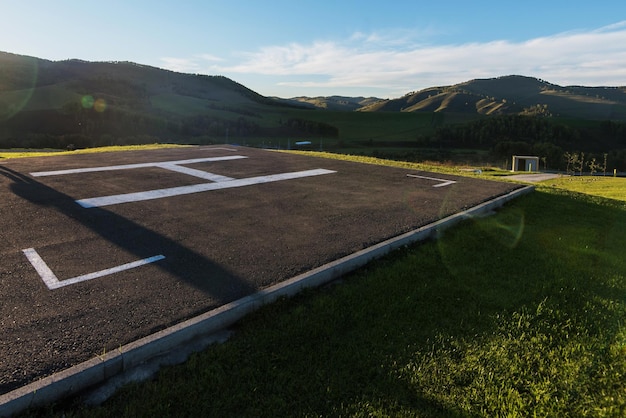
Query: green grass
[(367, 125), (48, 97), (180, 105), (24, 153), (517, 314), (381, 125), (426, 166), (609, 187)]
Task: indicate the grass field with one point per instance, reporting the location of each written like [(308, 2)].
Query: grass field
[(24, 153), (610, 187), (517, 314), (397, 135)]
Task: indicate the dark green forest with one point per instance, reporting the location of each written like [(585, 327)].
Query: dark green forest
[(78, 104), (546, 138), (499, 136)]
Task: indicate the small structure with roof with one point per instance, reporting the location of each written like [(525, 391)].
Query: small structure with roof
[(525, 163)]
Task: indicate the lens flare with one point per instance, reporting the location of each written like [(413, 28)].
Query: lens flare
[(17, 93), (507, 232), (87, 101), (494, 234), (100, 105)]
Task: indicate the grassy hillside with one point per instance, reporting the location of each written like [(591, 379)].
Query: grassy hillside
[(76, 104), (337, 102), (100, 102), (514, 95)]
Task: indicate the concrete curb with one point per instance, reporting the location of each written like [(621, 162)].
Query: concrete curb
[(101, 368)]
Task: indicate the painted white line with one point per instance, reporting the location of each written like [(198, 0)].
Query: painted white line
[(197, 188), (133, 166), (42, 268), (443, 183), (51, 280), (193, 172)]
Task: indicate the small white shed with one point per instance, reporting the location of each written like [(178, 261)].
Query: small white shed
[(525, 163)]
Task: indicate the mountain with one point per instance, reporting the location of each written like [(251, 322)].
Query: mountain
[(51, 84), (32, 84), (75, 103), (507, 95), (337, 102), (99, 103), (513, 95)]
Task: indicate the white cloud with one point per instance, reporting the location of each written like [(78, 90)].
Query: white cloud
[(194, 64), (593, 58), (183, 65), (209, 57), (397, 64)]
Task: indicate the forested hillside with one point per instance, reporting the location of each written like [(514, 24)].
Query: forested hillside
[(513, 95), (547, 138), (77, 104)]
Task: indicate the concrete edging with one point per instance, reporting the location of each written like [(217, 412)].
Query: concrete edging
[(101, 368)]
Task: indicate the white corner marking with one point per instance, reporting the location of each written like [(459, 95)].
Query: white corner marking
[(51, 280), (443, 183)]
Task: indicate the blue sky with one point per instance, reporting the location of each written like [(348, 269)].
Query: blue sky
[(336, 47)]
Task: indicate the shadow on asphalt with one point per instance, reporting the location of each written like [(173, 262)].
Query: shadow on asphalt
[(182, 263)]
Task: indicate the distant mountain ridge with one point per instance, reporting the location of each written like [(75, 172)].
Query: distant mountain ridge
[(51, 84), (337, 102), (118, 80), (512, 94), (77, 104), (101, 103)]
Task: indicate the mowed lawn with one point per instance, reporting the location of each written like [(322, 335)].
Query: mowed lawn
[(522, 313), (25, 153), (611, 187)]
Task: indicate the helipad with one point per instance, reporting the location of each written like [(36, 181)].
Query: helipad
[(102, 250)]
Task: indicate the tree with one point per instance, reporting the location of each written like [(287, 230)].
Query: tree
[(548, 152), (581, 163), (593, 166), (571, 159)]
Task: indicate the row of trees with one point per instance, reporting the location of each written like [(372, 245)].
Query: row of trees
[(600, 146), (576, 163), (511, 135), (86, 125), (487, 132), (553, 157)]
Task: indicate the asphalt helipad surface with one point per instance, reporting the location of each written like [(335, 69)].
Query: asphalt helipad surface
[(99, 250)]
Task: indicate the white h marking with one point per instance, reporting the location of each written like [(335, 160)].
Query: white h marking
[(218, 181), (196, 188), (166, 164)]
